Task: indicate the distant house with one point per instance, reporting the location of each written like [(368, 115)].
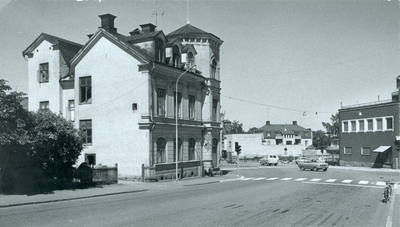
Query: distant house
[(370, 132), (122, 91), (277, 139)]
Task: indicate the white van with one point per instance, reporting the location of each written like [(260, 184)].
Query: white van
[(269, 160)]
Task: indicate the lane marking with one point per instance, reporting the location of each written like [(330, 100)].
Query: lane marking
[(315, 179), (338, 184), (247, 178), (261, 178), (272, 178), (330, 180), (363, 182), (300, 179), (286, 178), (347, 181), (381, 183)]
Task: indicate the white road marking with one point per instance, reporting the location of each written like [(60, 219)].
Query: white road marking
[(261, 178), (286, 178), (330, 180), (315, 179), (381, 183), (363, 182), (247, 178), (347, 181), (273, 178), (300, 179)]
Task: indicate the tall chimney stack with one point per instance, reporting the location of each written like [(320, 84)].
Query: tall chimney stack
[(107, 23)]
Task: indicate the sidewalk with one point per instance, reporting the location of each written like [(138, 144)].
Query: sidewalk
[(122, 187)]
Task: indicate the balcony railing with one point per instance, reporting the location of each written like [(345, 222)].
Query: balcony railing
[(367, 104)]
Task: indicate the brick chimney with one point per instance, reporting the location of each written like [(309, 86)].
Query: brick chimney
[(107, 23), (148, 28), (268, 123), (294, 122)]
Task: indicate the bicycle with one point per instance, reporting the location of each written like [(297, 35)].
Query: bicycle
[(387, 192)]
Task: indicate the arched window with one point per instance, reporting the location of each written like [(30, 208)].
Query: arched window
[(214, 69), (161, 144), (176, 57), (160, 51), (192, 144), (179, 150)]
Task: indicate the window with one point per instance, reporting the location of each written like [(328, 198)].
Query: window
[(214, 109), (179, 104), (389, 123), (90, 159), (192, 105), (213, 69), (85, 85), (365, 151), (43, 73), (190, 60), (179, 150), (361, 125), (86, 127), (161, 144), (379, 124), (176, 56), (192, 144), (160, 102), (44, 105), (306, 142), (160, 51), (345, 126), (370, 125), (268, 133), (348, 150), (71, 110), (353, 126), (288, 142)]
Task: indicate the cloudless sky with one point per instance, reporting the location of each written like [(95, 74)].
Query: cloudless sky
[(281, 61)]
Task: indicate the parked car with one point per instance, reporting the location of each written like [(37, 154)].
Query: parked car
[(332, 161), (269, 160), (301, 159), (313, 165)]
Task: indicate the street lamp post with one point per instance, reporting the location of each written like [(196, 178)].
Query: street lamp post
[(176, 119)]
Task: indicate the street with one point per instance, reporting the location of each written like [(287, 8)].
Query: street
[(264, 196)]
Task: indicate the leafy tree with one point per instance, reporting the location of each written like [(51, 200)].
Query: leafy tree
[(237, 127), (36, 148), (252, 130), (333, 127), (320, 140)]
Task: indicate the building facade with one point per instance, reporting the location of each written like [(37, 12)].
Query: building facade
[(121, 91), (369, 133)]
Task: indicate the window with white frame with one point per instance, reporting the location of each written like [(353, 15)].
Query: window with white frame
[(348, 150), (179, 104), (345, 126), (361, 125), (192, 105), (43, 73), (353, 126), (160, 102), (365, 151), (44, 105), (379, 124), (389, 123), (85, 86), (370, 124)]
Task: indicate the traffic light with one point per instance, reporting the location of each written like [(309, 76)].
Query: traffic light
[(237, 148)]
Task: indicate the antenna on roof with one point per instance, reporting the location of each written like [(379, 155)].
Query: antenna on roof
[(187, 10)]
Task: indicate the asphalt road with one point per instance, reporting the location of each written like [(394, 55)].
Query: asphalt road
[(268, 196)]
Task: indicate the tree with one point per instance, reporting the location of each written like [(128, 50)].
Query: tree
[(36, 148), (252, 130), (320, 140), (237, 127), (333, 127)]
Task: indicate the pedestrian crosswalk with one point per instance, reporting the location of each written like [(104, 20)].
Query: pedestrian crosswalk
[(316, 180)]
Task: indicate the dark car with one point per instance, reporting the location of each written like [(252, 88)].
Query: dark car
[(332, 161)]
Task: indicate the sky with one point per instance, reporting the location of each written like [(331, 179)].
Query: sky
[(281, 61)]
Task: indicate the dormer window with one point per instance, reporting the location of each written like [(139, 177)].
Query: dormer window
[(190, 60), (176, 57), (160, 51)]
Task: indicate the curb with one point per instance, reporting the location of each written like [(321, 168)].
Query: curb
[(76, 198)]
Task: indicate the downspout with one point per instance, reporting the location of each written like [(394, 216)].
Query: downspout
[(151, 110)]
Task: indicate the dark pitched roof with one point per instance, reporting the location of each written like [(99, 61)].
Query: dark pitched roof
[(190, 31), (283, 128)]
